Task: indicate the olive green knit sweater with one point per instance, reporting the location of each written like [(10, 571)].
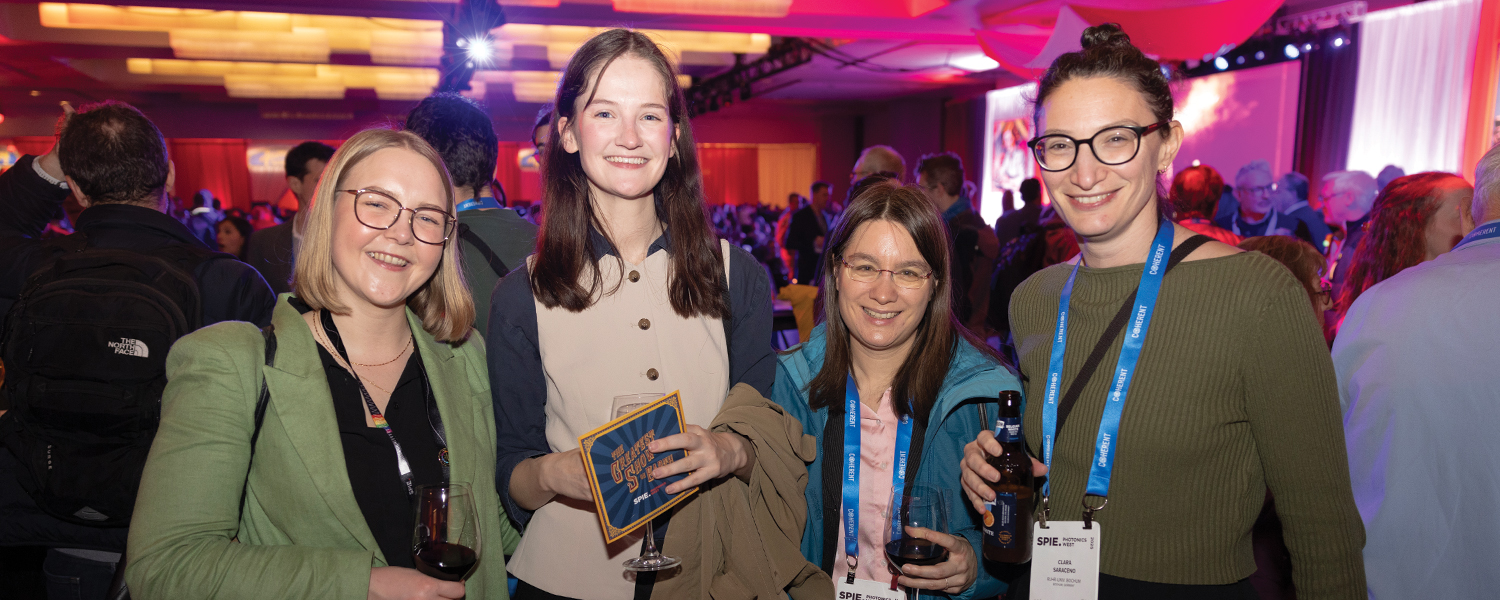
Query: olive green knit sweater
[(1234, 392)]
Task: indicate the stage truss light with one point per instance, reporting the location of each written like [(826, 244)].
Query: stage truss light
[(1291, 51), (1221, 63), (1260, 55), (480, 50)]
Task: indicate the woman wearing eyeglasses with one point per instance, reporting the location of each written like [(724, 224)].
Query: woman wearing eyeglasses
[(377, 386), (891, 349), (1213, 386)]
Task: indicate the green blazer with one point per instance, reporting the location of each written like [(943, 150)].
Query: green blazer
[(302, 534)]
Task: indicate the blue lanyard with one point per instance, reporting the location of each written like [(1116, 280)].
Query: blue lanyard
[(1487, 231), (473, 203), (1130, 353), (851, 471)]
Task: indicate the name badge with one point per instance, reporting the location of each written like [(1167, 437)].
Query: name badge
[(1065, 561), (864, 589)]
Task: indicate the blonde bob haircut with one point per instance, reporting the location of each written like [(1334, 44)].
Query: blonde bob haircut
[(443, 303)]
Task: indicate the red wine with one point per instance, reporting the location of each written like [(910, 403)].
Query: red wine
[(913, 551), (448, 562)]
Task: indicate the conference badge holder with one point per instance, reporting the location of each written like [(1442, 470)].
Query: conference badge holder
[(619, 467)]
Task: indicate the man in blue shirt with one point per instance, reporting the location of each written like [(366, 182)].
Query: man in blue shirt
[(1417, 379)]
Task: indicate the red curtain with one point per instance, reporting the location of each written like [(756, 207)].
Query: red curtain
[(507, 172), (216, 165), (730, 173), (33, 144)]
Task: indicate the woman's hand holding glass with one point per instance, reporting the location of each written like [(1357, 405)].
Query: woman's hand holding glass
[(978, 474), (710, 455), (952, 576)]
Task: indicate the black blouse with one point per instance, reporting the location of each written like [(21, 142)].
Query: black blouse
[(371, 459)]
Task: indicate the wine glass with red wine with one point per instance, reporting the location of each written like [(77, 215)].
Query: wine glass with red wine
[(445, 544), (921, 506)]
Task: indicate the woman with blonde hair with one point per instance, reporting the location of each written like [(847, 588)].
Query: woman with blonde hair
[(375, 387)]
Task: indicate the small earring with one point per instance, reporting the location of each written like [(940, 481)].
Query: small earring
[(1162, 171)]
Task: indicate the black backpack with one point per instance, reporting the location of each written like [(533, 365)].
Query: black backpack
[(85, 350), (1020, 258)]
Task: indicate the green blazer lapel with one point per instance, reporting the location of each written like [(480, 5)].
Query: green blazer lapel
[(300, 396), (450, 385)]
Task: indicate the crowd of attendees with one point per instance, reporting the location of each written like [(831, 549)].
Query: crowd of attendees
[(255, 458)]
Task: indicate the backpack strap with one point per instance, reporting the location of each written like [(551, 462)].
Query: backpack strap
[(269, 333), (468, 235)]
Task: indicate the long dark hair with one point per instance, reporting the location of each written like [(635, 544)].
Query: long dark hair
[(1395, 236), (564, 247), (938, 333)]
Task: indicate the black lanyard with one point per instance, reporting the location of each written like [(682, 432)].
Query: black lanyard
[(434, 419)]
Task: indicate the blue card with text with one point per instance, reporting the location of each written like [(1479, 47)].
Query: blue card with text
[(619, 466)]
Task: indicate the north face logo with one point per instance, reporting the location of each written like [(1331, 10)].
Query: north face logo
[(130, 347)]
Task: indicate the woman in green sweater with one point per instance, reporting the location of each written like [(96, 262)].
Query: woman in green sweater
[(1221, 385)]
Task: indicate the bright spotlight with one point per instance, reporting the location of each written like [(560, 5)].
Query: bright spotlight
[(974, 63), (1338, 42), (479, 50), (1292, 51), (1221, 63), (1307, 47)]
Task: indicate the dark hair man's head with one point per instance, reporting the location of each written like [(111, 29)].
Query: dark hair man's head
[(462, 134), (204, 198), (304, 166), (821, 193), (1031, 191), (542, 129), (941, 177), (113, 154)]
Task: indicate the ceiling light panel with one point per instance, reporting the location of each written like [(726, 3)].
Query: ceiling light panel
[(722, 8)]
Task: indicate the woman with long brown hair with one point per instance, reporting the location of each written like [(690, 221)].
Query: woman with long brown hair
[(890, 343), (629, 292), (1414, 219)]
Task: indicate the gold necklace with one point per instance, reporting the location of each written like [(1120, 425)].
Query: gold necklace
[(321, 337), (403, 353)]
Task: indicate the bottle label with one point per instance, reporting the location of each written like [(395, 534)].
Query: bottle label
[(1000, 522), (1008, 429)]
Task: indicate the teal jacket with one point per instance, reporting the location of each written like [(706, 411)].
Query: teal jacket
[(974, 380), (302, 534)]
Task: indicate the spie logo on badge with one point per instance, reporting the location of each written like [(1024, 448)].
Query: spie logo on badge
[(130, 347)]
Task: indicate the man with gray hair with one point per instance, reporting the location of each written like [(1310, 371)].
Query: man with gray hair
[(1347, 198), (878, 159), (1254, 188), (1417, 374)]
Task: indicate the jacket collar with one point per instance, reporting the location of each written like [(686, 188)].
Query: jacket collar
[(603, 248), (127, 216), (302, 401)]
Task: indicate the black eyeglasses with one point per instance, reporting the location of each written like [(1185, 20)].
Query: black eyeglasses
[(378, 210), (1111, 146)]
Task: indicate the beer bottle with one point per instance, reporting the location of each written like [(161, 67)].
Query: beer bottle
[(1007, 522)]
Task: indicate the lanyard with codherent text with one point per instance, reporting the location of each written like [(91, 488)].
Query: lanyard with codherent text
[(851, 471), (1486, 231), (1130, 352), (473, 203)]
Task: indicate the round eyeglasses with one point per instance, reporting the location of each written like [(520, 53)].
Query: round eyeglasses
[(865, 272), (378, 210), (1111, 146)]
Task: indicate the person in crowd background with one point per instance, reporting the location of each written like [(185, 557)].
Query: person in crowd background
[(1213, 418), (494, 239), (1195, 196), (234, 235), (1291, 199), (971, 241), (878, 159), (377, 331), (807, 232), (1387, 175), (1254, 189), (541, 129), (203, 219), (274, 251), (114, 160), (612, 251), (1347, 197), (1416, 368), (1009, 225), (1414, 219), (894, 346)]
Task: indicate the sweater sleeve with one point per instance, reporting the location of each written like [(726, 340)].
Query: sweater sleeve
[(1291, 399), (752, 358), (518, 386)]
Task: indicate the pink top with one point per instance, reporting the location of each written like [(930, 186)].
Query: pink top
[(877, 458)]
